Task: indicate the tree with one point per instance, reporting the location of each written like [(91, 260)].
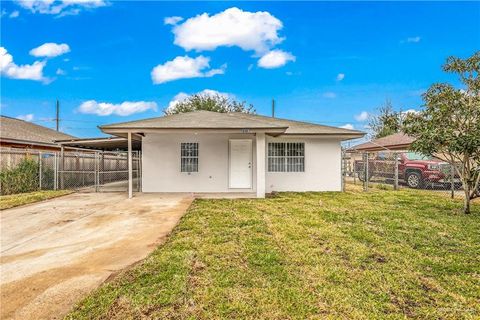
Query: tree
[(386, 122), (209, 102), (449, 125)]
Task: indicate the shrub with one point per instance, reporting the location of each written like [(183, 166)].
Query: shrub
[(22, 178)]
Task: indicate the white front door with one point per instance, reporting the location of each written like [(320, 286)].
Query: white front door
[(241, 163)]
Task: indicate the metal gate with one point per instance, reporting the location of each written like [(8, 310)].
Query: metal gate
[(98, 171), (113, 171)]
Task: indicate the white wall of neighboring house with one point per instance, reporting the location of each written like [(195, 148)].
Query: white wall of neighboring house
[(161, 164)]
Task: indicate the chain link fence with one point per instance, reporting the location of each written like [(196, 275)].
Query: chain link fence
[(400, 169), (25, 170)]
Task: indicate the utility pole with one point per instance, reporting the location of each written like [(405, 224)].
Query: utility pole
[(273, 108), (57, 119)]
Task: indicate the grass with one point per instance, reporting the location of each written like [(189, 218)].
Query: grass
[(21, 199), (353, 255)]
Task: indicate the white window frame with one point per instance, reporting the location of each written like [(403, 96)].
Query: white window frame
[(285, 166), (184, 165)]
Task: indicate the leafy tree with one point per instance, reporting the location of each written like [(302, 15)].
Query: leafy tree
[(449, 125), (386, 122), (209, 102)]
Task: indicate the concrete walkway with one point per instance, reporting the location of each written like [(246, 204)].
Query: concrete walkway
[(54, 252)]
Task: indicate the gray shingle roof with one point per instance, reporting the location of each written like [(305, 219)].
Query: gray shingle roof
[(16, 129), (235, 120), (393, 141)]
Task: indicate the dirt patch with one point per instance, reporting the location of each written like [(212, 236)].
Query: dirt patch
[(48, 265)]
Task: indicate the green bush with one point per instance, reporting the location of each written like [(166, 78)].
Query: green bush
[(22, 178)]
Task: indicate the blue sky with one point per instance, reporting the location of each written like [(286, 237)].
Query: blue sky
[(325, 62)]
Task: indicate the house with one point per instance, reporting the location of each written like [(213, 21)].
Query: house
[(394, 142), (16, 133), (209, 152)]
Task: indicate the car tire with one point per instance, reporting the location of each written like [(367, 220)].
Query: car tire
[(414, 180)]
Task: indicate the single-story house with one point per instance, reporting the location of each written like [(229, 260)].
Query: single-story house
[(209, 152), (16, 133), (394, 142)]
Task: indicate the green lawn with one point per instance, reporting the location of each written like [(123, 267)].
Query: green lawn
[(375, 255), (15, 200)]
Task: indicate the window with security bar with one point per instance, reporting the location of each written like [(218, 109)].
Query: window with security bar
[(286, 157), (189, 157)]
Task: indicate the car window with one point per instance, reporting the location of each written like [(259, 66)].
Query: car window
[(417, 156)]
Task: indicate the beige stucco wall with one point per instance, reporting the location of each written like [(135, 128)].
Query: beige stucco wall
[(161, 165)]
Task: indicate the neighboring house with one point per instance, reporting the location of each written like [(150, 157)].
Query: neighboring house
[(394, 142), (16, 133), (204, 151)]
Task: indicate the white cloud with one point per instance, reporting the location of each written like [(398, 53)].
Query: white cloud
[(410, 111), (3, 12), (184, 67), (123, 109), (60, 7), (329, 95), (275, 59), (50, 50), (61, 72), (257, 31), (11, 70), (347, 126), (182, 96), (14, 14), (416, 39), (172, 20), (340, 76), (362, 116), (26, 117)]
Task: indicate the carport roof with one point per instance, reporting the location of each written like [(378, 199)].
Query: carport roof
[(234, 120), (107, 143)]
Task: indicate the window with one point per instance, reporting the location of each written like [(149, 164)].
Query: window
[(286, 157), (417, 156), (189, 157)]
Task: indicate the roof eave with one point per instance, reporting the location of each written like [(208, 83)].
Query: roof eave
[(38, 143), (116, 130)]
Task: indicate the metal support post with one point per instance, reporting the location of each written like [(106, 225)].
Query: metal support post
[(40, 177), (395, 183), (452, 182)]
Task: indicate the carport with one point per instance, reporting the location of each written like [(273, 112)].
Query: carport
[(102, 148)]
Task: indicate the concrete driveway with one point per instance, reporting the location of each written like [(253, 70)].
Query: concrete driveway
[(55, 252)]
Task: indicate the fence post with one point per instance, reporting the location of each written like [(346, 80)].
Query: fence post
[(343, 169), (395, 183), (96, 168), (452, 182), (365, 172), (40, 170), (354, 170), (62, 167), (55, 171)]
